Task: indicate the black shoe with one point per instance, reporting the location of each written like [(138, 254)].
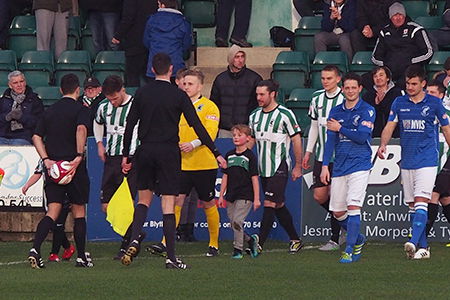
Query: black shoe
[(212, 251), (241, 43), (35, 259), (120, 254), (132, 251), (84, 263), (178, 264), (158, 249), (221, 42)]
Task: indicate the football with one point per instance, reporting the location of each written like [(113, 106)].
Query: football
[(59, 172)]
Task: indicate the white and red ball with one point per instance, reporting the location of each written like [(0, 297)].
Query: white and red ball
[(59, 172)]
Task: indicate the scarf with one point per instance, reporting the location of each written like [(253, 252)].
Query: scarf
[(18, 100)]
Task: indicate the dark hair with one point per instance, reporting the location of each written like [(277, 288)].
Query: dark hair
[(242, 128), (271, 85), (332, 68), (180, 73), (169, 3), (112, 84), (385, 69), (69, 83), (161, 63), (352, 76), (438, 84), (197, 73), (416, 71), (447, 64)]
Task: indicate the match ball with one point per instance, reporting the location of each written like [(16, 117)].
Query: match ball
[(59, 172)]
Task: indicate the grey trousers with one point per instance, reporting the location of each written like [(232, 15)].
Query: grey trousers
[(237, 212), (324, 39), (48, 21)]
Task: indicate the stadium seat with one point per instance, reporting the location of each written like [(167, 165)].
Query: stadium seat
[(417, 8), (324, 58), (291, 69), (362, 62), (201, 13), (436, 63), (38, 68), (101, 75), (8, 63), (429, 22), (48, 94), (77, 62), (304, 34), (22, 35), (298, 102), (110, 60), (131, 90), (439, 8), (3, 89)]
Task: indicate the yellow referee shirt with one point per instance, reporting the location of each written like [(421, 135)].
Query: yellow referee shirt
[(200, 158)]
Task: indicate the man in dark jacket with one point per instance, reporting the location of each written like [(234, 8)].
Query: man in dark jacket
[(129, 35), (371, 17), (441, 37), (401, 44), (234, 92), (20, 109), (167, 31)]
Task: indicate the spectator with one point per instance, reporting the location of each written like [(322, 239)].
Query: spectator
[(20, 109), (129, 35), (381, 97), (52, 16), (242, 12), (103, 18), (234, 92), (167, 31), (371, 17), (337, 22), (401, 44), (441, 37), (444, 75), (91, 97), (308, 7)]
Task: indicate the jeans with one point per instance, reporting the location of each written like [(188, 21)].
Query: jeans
[(14, 142), (103, 26)]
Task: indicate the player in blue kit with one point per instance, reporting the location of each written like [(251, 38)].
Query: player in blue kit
[(416, 113), (349, 132)]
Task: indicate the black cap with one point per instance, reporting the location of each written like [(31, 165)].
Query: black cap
[(91, 82)]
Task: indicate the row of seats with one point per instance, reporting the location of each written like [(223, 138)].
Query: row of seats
[(40, 68), (292, 69)]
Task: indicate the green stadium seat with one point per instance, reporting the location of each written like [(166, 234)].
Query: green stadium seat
[(131, 90), (8, 63), (77, 62), (291, 69), (323, 58), (429, 22), (38, 68), (3, 89), (304, 34), (201, 13), (299, 101), (109, 60), (22, 35), (362, 62), (101, 75), (436, 63), (417, 8), (439, 8), (48, 94)]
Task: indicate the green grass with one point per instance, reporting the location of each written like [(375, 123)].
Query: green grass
[(383, 272)]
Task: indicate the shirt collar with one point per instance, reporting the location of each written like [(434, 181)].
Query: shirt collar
[(354, 107)]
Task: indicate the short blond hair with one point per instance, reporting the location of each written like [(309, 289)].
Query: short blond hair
[(242, 128), (195, 72)]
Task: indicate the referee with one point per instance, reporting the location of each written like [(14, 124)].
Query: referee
[(158, 107), (61, 135)]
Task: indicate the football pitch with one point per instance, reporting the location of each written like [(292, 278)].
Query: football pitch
[(382, 273)]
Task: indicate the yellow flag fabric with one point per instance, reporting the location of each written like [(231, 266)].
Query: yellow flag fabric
[(121, 209)]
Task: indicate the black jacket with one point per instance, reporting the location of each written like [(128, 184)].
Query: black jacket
[(130, 31), (398, 48), (102, 5), (235, 96), (32, 110), (374, 13)]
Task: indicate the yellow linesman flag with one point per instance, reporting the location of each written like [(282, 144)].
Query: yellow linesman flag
[(121, 209)]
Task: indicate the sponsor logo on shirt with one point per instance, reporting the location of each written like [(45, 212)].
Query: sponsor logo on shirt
[(212, 117), (414, 124), (403, 109), (425, 111), (367, 124), (371, 112), (405, 32), (355, 119)]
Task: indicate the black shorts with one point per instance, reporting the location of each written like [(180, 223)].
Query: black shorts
[(442, 183), (203, 181), (77, 191), (316, 174), (159, 168), (274, 187), (113, 178)]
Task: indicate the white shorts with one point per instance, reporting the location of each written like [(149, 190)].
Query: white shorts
[(418, 183), (348, 190)]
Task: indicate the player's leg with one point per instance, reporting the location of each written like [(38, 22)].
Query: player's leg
[(433, 210), (445, 202), (177, 211), (79, 235), (408, 198), (269, 211), (59, 236)]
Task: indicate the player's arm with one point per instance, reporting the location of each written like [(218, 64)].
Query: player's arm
[(327, 154), (39, 145), (446, 132), (223, 188), (255, 185), (297, 148), (312, 139), (386, 136), (99, 130), (81, 137), (132, 120)]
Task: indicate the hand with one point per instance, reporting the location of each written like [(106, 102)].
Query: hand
[(305, 162), (115, 41), (186, 147), (222, 162), (74, 164), (379, 97), (221, 201), (333, 125), (334, 13), (126, 166), (325, 175), (296, 172), (381, 151), (14, 114), (101, 151), (48, 164), (367, 31), (256, 204)]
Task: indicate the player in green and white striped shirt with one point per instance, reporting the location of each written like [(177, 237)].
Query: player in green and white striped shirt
[(321, 104), (112, 114), (274, 127)]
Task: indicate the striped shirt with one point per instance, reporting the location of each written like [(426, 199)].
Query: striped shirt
[(319, 110), (272, 131), (114, 119)]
